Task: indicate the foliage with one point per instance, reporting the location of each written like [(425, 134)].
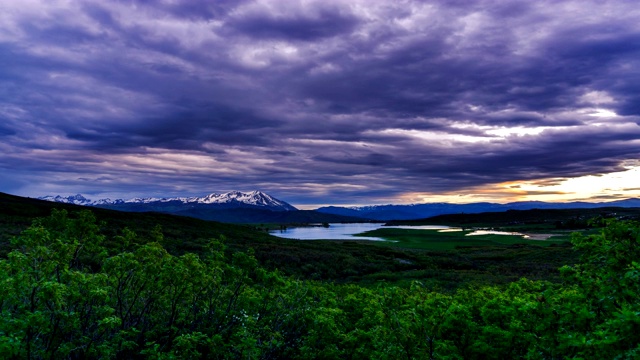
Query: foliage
[(608, 276), (65, 295), (365, 262)]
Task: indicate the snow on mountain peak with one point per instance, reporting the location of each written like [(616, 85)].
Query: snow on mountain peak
[(253, 198), (73, 199), (256, 198)]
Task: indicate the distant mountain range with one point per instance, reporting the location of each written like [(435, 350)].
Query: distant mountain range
[(420, 211), (258, 207), (232, 207), (230, 200)]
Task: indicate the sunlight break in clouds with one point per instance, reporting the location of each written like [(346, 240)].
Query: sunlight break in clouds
[(601, 188)]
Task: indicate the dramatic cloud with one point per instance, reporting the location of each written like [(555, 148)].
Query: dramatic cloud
[(320, 102)]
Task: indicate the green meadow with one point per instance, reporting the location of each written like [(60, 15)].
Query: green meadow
[(449, 240)]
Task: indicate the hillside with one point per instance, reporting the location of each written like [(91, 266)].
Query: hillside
[(421, 211), (341, 261), (76, 286), (182, 234), (259, 216), (253, 207), (534, 218)]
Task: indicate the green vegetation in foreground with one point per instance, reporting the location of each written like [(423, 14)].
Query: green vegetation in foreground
[(69, 291), (366, 263), (448, 240)]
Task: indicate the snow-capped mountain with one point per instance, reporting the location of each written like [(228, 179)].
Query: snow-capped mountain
[(256, 198), (73, 199), (253, 207), (233, 199)]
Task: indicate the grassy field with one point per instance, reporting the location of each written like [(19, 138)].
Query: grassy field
[(450, 240)]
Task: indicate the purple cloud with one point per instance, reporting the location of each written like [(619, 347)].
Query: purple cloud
[(315, 101)]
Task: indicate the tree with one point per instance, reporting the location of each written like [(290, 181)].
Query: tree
[(608, 278)]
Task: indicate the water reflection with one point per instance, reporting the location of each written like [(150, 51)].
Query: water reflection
[(347, 231), (344, 231), (333, 232), (494, 232)]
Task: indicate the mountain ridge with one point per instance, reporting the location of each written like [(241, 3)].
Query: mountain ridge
[(419, 211), (230, 207), (230, 199), (212, 207)]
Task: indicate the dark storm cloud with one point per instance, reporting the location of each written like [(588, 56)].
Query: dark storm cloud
[(358, 101), (321, 22), (181, 130), (5, 130)]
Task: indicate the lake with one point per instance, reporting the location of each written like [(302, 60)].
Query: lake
[(347, 231), (342, 231)]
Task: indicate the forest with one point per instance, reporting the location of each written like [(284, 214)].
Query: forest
[(75, 287)]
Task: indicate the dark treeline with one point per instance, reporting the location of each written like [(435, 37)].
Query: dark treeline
[(552, 218), (70, 292)]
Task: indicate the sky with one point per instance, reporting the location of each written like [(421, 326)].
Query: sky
[(321, 102)]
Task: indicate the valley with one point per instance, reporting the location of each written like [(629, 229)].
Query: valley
[(436, 260), (233, 289)]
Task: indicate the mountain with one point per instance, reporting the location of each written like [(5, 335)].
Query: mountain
[(258, 207), (181, 234), (74, 199), (230, 200), (420, 211), (231, 207)]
